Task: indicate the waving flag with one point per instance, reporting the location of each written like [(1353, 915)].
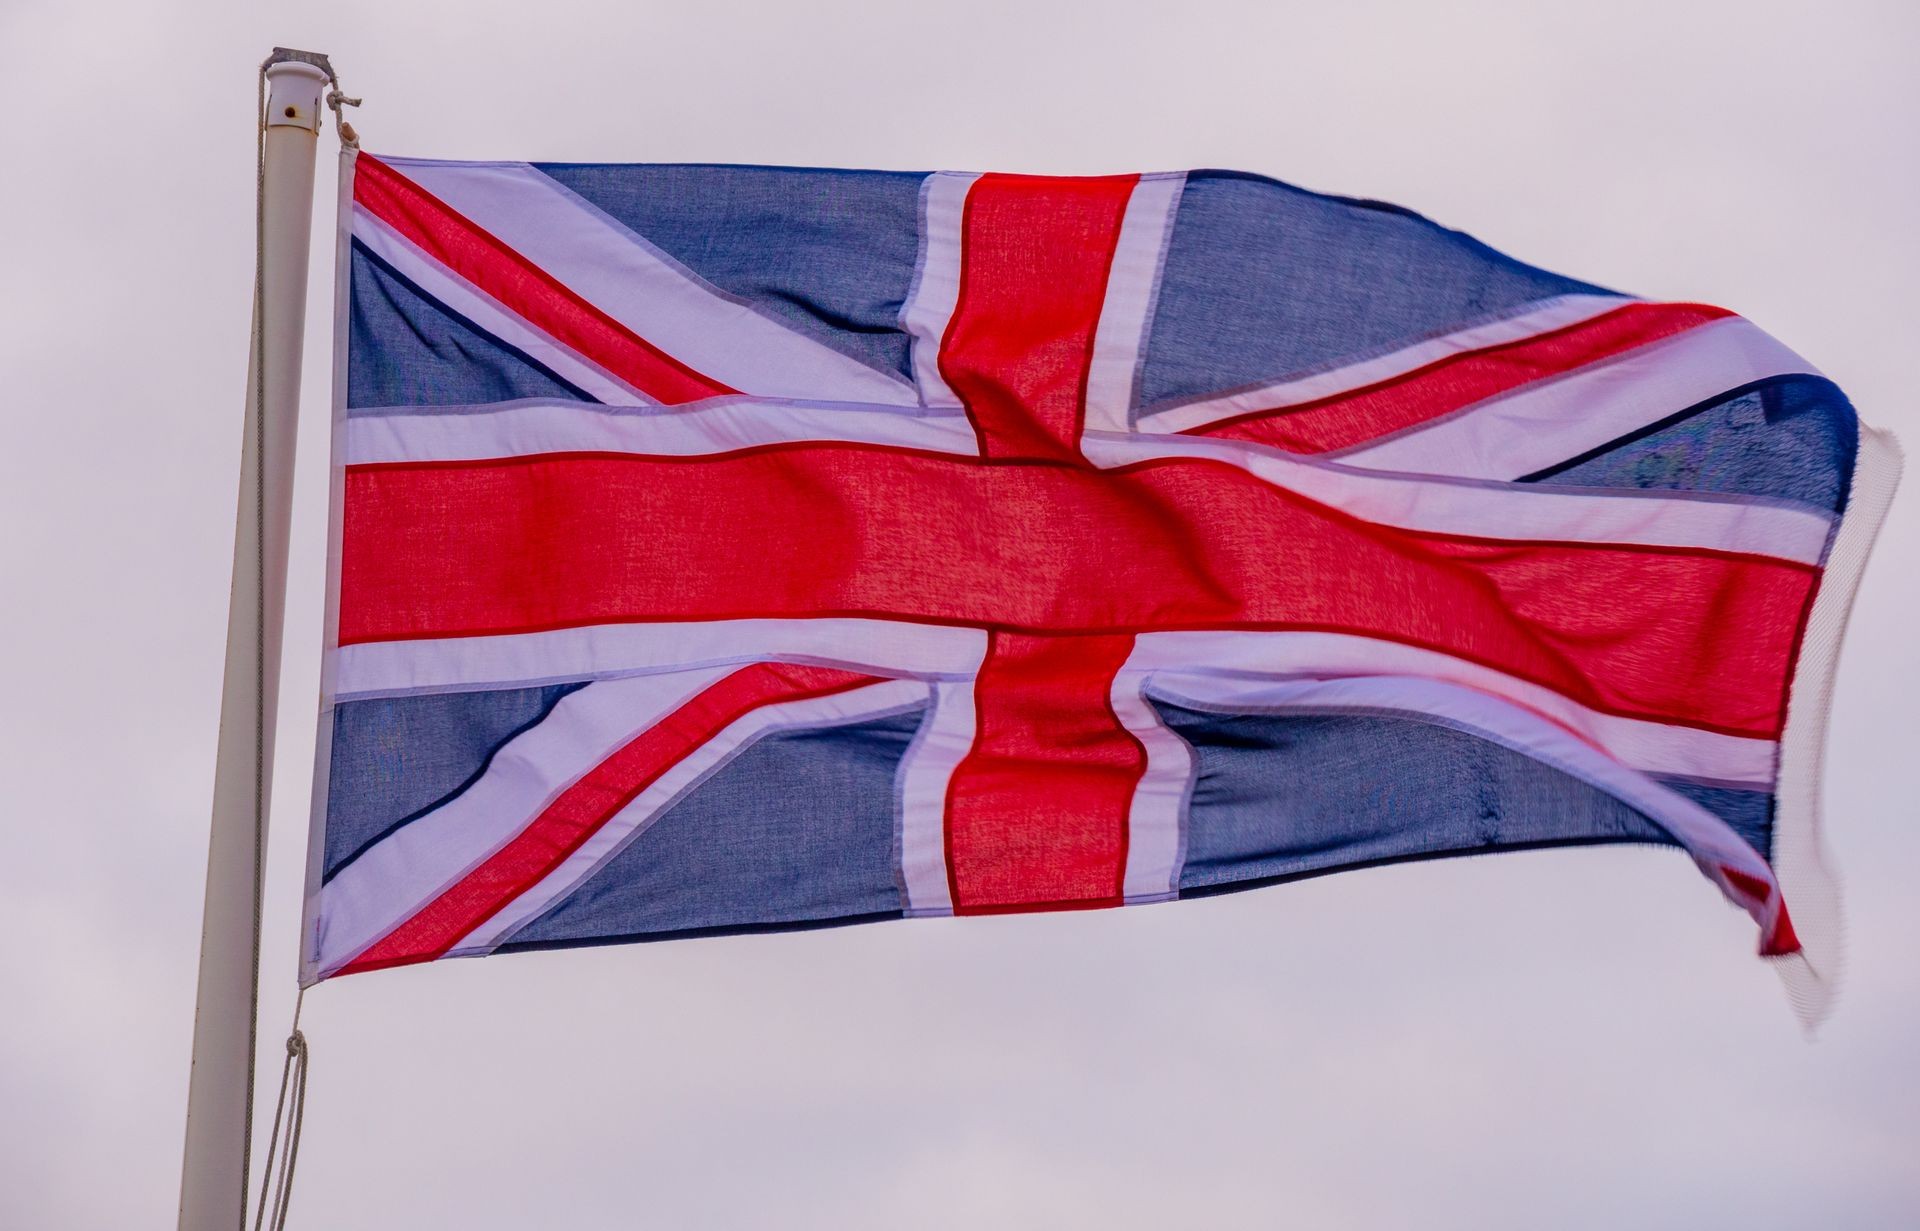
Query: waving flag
[(736, 548)]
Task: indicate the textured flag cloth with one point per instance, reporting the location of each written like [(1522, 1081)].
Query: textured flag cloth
[(738, 548)]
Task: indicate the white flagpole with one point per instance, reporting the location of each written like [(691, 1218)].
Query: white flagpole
[(213, 1185)]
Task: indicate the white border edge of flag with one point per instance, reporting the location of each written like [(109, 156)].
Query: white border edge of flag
[(1801, 860), (309, 971)]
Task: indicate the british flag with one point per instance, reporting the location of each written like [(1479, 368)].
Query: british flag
[(737, 548)]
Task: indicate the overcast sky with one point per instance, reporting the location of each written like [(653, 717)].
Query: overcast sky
[(1561, 1039)]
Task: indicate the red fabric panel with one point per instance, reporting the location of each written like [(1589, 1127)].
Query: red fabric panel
[(583, 808), (1457, 381), (1697, 637), (1035, 253), (1780, 939), (1037, 812), (523, 287)]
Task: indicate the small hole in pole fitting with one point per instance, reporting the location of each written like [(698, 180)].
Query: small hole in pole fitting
[(291, 113)]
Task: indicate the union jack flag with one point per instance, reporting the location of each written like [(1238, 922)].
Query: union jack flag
[(741, 548)]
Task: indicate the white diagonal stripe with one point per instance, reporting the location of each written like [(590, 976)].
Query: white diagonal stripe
[(635, 283), (1544, 317), (448, 288), (413, 865), (1545, 423), (690, 771)]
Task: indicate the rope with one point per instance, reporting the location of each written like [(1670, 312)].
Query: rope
[(290, 1109), (335, 101)]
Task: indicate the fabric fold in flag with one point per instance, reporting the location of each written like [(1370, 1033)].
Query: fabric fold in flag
[(729, 549)]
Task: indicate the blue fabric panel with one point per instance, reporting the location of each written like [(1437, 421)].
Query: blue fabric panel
[(1279, 796), (798, 828), (395, 758), (1265, 281), (1750, 813), (405, 349), (1791, 437), (830, 253)]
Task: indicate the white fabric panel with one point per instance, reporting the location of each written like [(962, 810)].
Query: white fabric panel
[(1131, 283), (687, 773), (879, 647), (1651, 747), (936, 284), (1800, 856), (460, 295), (645, 290), (1542, 424), (393, 879), (1549, 315), (1444, 505), (719, 425)]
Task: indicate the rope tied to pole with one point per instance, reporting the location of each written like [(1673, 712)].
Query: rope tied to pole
[(335, 102), (289, 1110)]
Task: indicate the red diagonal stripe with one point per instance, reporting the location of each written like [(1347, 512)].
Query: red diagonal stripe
[(1690, 636), (524, 288), (1457, 381), (583, 808)]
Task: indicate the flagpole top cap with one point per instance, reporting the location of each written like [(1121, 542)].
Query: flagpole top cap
[(293, 60), (295, 81)]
